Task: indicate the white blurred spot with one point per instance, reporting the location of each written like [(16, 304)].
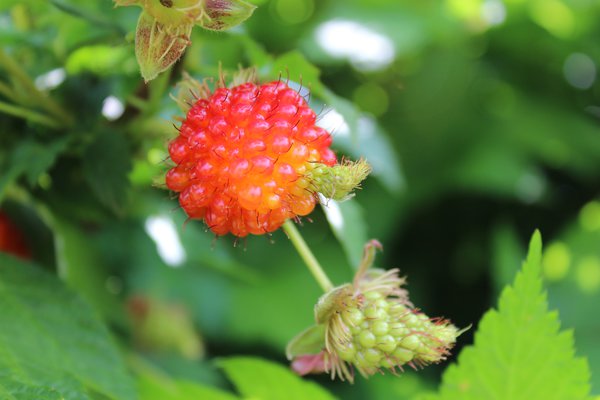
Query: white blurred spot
[(333, 122), (366, 49), (163, 232), (5, 21), (493, 12), (580, 71), (51, 79), (332, 212), (112, 108), (530, 187)]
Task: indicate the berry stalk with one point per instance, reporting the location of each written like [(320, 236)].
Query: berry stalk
[(309, 259)]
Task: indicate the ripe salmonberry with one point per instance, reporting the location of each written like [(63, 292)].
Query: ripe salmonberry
[(11, 239), (243, 155)]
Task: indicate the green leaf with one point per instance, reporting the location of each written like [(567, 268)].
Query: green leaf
[(225, 14), (81, 267), (106, 164), (12, 389), (101, 60), (368, 140), (508, 253), (295, 66), (347, 221), (309, 341), (519, 352), (51, 341), (154, 388), (91, 17), (31, 159), (260, 379)]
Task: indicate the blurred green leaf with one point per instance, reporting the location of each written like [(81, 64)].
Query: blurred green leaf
[(507, 255), (91, 17), (80, 265), (13, 389), (309, 341), (519, 352), (106, 163), (51, 339), (294, 66), (371, 142), (157, 388), (31, 159), (347, 221), (101, 60), (257, 378)]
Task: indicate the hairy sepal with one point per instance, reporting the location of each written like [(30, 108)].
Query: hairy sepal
[(158, 46), (225, 14)]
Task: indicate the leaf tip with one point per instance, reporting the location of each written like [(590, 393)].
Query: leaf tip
[(535, 246)]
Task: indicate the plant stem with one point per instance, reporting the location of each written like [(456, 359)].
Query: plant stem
[(28, 115), (309, 259)]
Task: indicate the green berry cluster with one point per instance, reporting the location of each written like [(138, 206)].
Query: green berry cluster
[(388, 333), (338, 182), (370, 325)]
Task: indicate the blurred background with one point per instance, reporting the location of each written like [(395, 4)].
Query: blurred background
[(480, 117)]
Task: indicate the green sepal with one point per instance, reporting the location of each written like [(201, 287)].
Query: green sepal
[(339, 181), (309, 341), (329, 302), (158, 46), (225, 14)]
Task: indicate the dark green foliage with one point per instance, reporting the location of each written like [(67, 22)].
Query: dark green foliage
[(53, 344), (106, 163)]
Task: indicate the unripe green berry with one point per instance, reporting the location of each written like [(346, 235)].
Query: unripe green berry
[(386, 343), (402, 355), (427, 354), (372, 296), (397, 309), (380, 328), (382, 303), (410, 342), (387, 363), (360, 360), (412, 321), (366, 339), (373, 356), (355, 330), (347, 352), (339, 181), (353, 316), (398, 329), (373, 312)]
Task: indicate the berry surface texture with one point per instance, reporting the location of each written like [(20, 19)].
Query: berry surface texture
[(242, 157)]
